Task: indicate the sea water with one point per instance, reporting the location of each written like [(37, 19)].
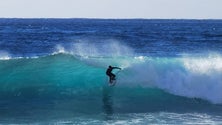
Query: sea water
[(52, 71)]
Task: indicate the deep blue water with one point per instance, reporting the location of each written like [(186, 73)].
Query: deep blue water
[(152, 37), (53, 71)]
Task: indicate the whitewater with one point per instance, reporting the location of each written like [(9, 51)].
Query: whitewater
[(60, 78)]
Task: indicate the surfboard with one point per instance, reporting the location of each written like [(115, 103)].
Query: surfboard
[(112, 83)]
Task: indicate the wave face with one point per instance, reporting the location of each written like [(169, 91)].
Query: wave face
[(64, 74)]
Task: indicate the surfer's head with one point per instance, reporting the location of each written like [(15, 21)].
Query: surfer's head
[(110, 66)]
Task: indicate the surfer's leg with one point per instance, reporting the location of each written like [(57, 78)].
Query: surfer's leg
[(113, 77), (110, 78)]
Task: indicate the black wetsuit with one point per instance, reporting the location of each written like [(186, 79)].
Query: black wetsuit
[(110, 74)]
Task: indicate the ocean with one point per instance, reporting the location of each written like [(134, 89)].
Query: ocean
[(52, 71)]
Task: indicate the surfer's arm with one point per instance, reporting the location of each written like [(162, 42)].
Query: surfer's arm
[(116, 68)]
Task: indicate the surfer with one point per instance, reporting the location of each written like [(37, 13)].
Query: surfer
[(110, 74)]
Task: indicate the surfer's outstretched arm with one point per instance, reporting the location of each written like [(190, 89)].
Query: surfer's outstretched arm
[(116, 68)]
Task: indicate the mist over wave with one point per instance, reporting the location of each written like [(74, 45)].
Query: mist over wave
[(101, 54), (4, 55)]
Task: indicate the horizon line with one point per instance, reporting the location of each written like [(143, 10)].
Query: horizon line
[(111, 18)]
